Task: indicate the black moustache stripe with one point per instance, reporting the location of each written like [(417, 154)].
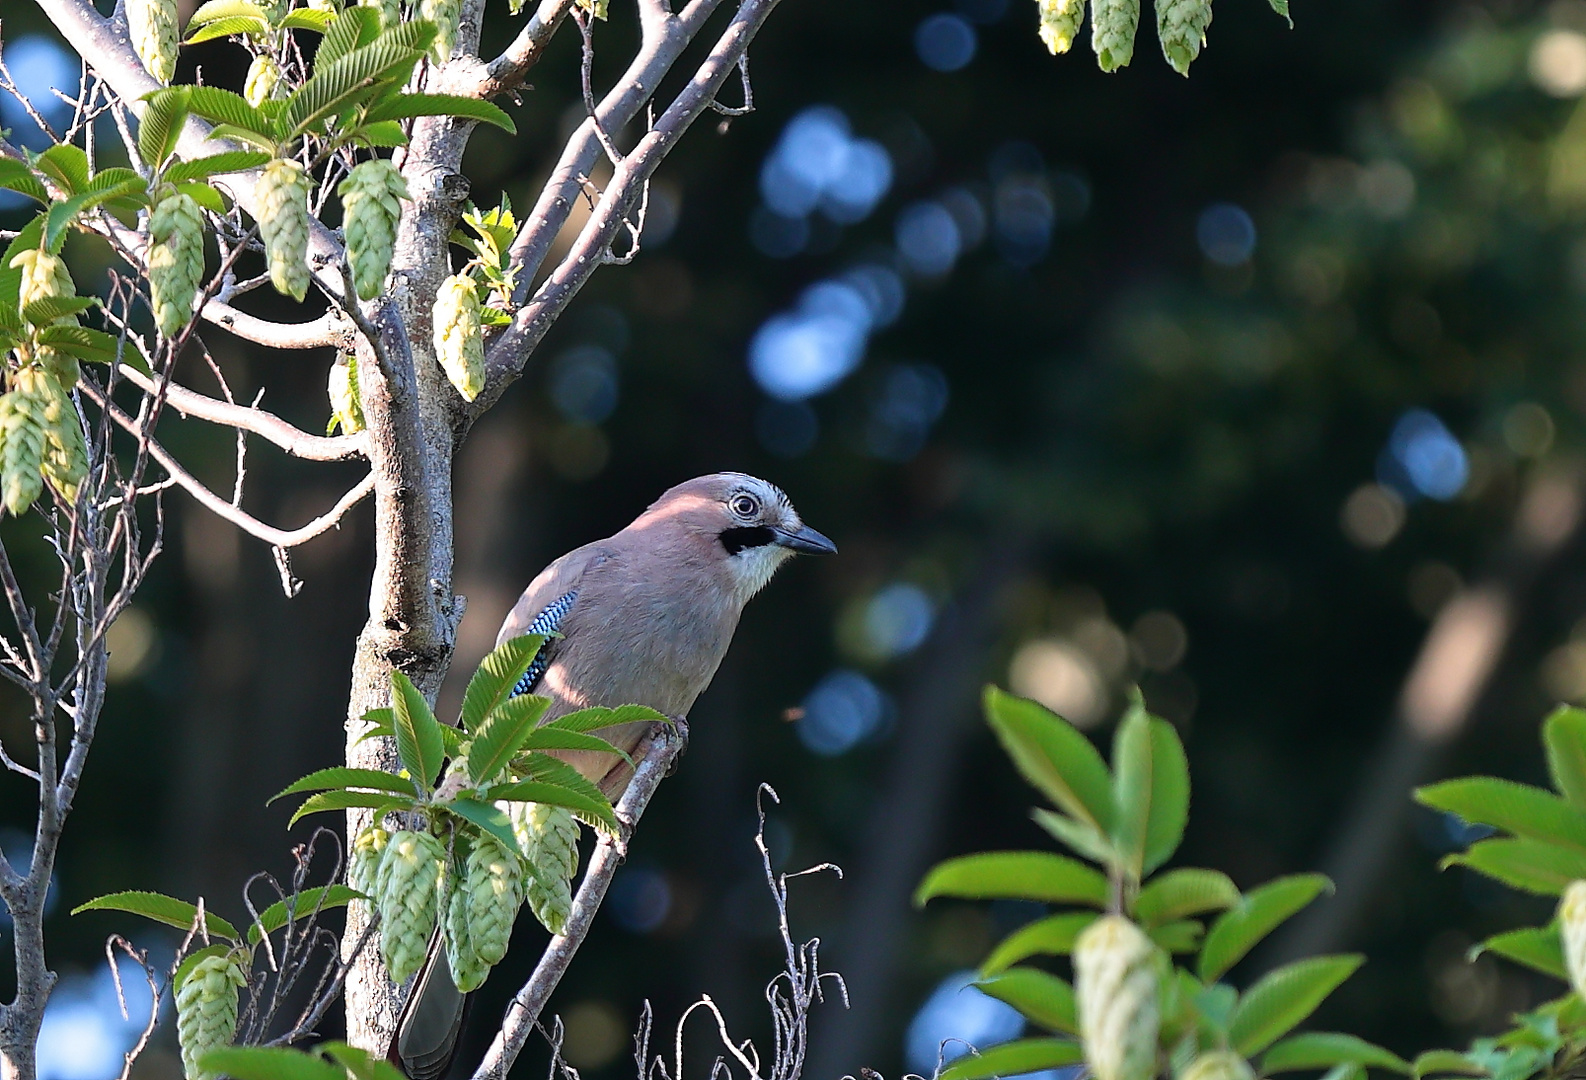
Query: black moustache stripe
[(748, 536)]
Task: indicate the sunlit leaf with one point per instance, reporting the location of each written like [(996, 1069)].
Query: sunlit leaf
[(1241, 928), (1015, 1059), (1021, 875), (162, 909), (1044, 999), (1051, 936), (1283, 998), (1053, 755)]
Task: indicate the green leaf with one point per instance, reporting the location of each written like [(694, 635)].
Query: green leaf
[(1015, 1059), (549, 738), (597, 718), (205, 195), (164, 113), (268, 1063), (309, 901), (488, 818), (1282, 8), (46, 311), (67, 165), (404, 106), (213, 10), (267, 143), (15, 176), (1539, 948), (549, 770), (1052, 755), (1564, 736), (234, 26), (1084, 838), (1180, 936), (232, 161), (1051, 936), (362, 1064), (497, 674), (1440, 1062), (162, 909), (308, 19), (1517, 808), (1261, 911), (501, 736), (1325, 1049), (1170, 794), (193, 959), (347, 800), (11, 276), (1022, 875), (596, 811), (349, 79), (1044, 999), (225, 107), (1189, 891), (339, 776), (1131, 762), (86, 343), (347, 31), (1529, 865), (384, 133), (419, 743), (1282, 998)]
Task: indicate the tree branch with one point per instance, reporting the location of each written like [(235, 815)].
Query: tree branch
[(329, 330), (506, 72), (657, 754)]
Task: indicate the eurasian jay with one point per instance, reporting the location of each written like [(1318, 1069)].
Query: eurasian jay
[(644, 617)]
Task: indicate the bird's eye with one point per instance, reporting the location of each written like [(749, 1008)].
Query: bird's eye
[(745, 506)]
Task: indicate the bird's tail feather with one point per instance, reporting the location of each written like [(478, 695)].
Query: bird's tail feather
[(431, 1021)]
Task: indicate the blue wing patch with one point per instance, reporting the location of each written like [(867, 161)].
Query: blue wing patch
[(546, 622)]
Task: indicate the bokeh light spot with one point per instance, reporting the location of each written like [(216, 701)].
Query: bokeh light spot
[(843, 710), (945, 42), (1558, 63), (955, 1017), (595, 1034), (1423, 458), (928, 239), (1226, 234), (584, 383), (1372, 516), (1159, 640), (1528, 430), (1062, 677), (134, 644)]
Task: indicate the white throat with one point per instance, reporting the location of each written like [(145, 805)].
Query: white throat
[(751, 568)]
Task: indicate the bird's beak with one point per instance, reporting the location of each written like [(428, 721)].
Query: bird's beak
[(806, 540)]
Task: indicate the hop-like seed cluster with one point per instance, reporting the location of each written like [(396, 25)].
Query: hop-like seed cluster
[(65, 451), (263, 82), (444, 14), (1060, 22), (176, 261), (206, 1010), (283, 224), (24, 433), (459, 344), (1218, 1065), (44, 277), (363, 861), (1112, 28), (1572, 928), (390, 10), (411, 877), (548, 837), (346, 406), (370, 212), (493, 883), (1115, 989), (152, 25), (468, 970), (1181, 28)]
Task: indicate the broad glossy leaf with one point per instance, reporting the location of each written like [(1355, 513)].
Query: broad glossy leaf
[(233, 26), (1051, 936), (351, 28), (232, 161), (1517, 808), (1325, 1049), (348, 800), (356, 76), (1082, 837), (1170, 794), (594, 719), (404, 106), (211, 10), (500, 736), (492, 682), (161, 908), (46, 311), (309, 901), (384, 133), (1241, 928), (67, 165), (1564, 737), (225, 107), (360, 1063), (549, 770), (15, 176), (1131, 764), (1539, 948), (597, 812), (338, 776), (1021, 875), (549, 738), (489, 818), (1044, 999), (307, 19), (1282, 8), (1054, 756), (267, 143), (1283, 998), (1179, 936), (418, 736), (1015, 1059), (1529, 865), (1188, 891), (86, 343), (268, 1063), (164, 113)]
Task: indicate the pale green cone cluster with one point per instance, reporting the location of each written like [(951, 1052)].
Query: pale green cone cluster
[(548, 837), (409, 883), (24, 434), (1181, 28), (444, 14), (155, 36), (206, 1010), (363, 861), (45, 276), (263, 82), (346, 406), (390, 10), (459, 340), (370, 212), (1115, 990), (176, 261), (468, 970), (1060, 23), (1218, 1065), (282, 195), (1572, 929), (1112, 28), (480, 910), (65, 451)]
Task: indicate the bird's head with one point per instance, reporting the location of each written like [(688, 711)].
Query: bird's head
[(749, 523)]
